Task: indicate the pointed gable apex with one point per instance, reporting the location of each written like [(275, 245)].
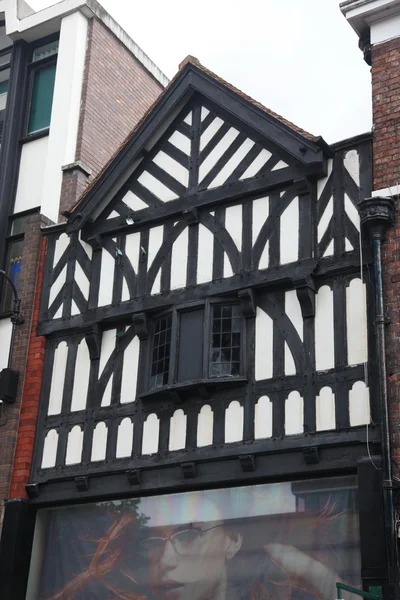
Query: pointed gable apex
[(217, 135)]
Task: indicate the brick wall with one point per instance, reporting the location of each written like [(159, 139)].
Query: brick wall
[(10, 418), (116, 93), (386, 171)]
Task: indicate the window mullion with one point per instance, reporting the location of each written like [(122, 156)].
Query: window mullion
[(206, 347), (174, 347)]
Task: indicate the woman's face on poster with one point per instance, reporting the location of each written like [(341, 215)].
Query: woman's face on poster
[(188, 562)]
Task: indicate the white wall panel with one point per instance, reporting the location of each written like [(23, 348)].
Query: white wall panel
[(205, 426), (99, 442), (234, 423), (124, 438), (263, 418), (177, 431), (280, 165), (151, 431), (209, 133), (290, 367), (5, 341), (325, 410), (156, 187), (181, 142), (31, 175), (155, 241), (290, 233), (234, 224), (352, 212), (82, 281), (130, 372), (217, 152), (188, 119), (57, 379), (325, 219), (359, 405), (50, 449), (74, 446), (260, 215), (257, 164), (293, 311), (294, 414), (133, 201), (179, 260), (264, 345), (324, 330), (356, 308), (352, 164), (172, 167), (61, 245), (322, 182), (81, 379), (106, 278), (66, 108), (232, 163), (205, 255), (107, 348), (132, 250)]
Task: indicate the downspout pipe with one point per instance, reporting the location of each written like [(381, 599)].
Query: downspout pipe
[(377, 215)]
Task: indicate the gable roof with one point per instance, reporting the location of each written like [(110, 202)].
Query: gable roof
[(191, 77)]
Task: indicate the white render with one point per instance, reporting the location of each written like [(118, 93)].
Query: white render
[(205, 424), (177, 431), (31, 175), (234, 421), (5, 337), (263, 418), (380, 17)]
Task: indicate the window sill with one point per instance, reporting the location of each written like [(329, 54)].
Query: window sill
[(5, 315), (204, 387), (35, 136)]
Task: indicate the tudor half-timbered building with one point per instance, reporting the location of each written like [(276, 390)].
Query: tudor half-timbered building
[(208, 313)]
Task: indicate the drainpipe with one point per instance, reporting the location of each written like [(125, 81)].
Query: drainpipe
[(376, 217)]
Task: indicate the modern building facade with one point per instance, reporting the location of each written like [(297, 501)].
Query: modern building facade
[(72, 83), (214, 382)]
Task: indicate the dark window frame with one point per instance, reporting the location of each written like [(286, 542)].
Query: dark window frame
[(6, 66), (33, 68), (207, 305)]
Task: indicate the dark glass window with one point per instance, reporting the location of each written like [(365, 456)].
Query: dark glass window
[(13, 266), (225, 341), (42, 98), (161, 352)]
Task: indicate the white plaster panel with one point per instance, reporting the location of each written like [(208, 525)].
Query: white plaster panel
[(264, 345), (228, 272), (151, 431), (290, 367), (82, 281), (66, 108), (205, 426), (352, 164), (205, 255), (263, 418), (234, 224), (74, 446), (57, 379), (188, 119), (324, 329), (50, 449), (87, 247), (5, 341), (264, 259), (234, 423), (61, 245), (325, 220), (132, 250), (133, 201), (177, 431), (113, 215), (74, 308), (81, 378), (124, 439), (359, 405), (181, 142), (217, 152), (107, 348), (322, 182), (204, 113), (106, 400), (172, 167), (257, 164), (347, 246), (31, 175), (130, 372), (352, 212), (293, 311), (260, 215), (209, 133), (280, 165), (232, 163), (106, 278), (356, 309), (156, 187), (179, 260), (290, 233), (99, 442), (325, 410), (330, 249), (125, 291), (155, 241), (294, 414)]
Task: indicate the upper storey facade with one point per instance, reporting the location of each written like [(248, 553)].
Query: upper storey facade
[(206, 300)]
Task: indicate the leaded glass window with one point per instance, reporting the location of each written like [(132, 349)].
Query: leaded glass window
[(161, 352)]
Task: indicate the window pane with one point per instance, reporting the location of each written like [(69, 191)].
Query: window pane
[(225, 341), (42, 99), (161, 352), (13, 270), (18, 225), (190, 360), (45, 51)]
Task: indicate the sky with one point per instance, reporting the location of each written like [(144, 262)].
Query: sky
[(299, 58)]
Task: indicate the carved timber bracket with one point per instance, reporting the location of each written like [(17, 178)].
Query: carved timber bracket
[(93, 340), (306, 294), (141, 325), (247, 303)]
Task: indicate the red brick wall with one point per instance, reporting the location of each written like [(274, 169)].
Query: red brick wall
[(386, 171), (10, 423), (117, 91)]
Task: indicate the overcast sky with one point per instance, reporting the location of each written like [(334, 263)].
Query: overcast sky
[(298, 57)]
